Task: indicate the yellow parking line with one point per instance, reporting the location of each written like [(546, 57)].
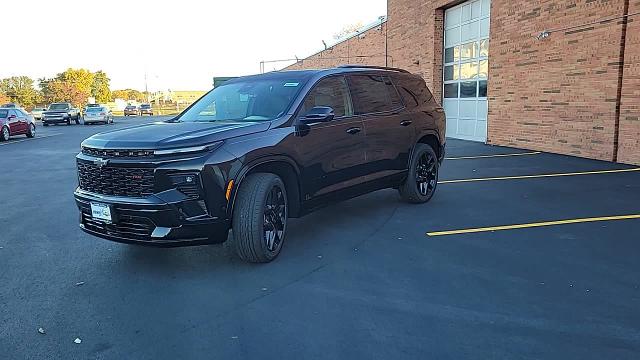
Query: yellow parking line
[(539, 176), (533, 225), (492, 156)]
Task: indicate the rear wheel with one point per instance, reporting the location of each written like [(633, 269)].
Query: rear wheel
[(4, 134), (32, 131), (260, 218), (78, 119), (422, 179), (69, 121)]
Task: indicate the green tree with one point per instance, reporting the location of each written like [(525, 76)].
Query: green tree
[(100, 87), (129, 94), (20, 90)]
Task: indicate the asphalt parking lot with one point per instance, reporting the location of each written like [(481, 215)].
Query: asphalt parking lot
[(520, 255)]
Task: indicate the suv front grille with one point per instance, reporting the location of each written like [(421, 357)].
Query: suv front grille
[(116, 153), (115, 181)]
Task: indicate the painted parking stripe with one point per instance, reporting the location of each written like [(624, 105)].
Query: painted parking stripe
[(539, 176), (28, 139), (533, 225), (493, 156)]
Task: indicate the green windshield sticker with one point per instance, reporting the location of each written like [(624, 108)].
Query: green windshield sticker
[(291, 84)]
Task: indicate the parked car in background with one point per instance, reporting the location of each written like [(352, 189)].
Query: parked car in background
[(86, 107), (15, 121), (131, 110), (98, 115), (145, 109), (258, 150), (60, 113), (37, 112)]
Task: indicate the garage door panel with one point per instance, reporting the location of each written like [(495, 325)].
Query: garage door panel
[(465, 70)]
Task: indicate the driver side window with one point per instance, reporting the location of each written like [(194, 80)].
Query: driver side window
[(332, 92)]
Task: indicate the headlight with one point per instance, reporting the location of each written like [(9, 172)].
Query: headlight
[(186, 150)]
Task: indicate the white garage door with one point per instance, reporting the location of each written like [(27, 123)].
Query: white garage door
[(466, 66)]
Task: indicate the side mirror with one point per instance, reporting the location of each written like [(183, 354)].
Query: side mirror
[(318, 114), (11, 117)]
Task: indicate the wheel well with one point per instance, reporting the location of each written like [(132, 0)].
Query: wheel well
[(432, 141), (287, 173)]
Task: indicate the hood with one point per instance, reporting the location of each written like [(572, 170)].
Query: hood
[(168, 135)]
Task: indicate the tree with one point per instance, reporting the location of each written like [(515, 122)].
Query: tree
[(129, 94), (4, 98), (20, 90), (73, 85), (100, 87), (347, 30)]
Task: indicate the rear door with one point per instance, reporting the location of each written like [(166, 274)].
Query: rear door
[(389, 130), (331, 153)]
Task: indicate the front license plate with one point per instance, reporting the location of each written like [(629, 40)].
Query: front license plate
[(101, 211)]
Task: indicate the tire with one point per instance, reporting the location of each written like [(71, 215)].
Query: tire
[(4, 134), (260, 218), (45, 124), (69, 121), (78, 119), (422, 179), (32, 131)]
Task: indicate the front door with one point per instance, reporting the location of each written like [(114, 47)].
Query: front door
[(332, 153), (14, 122)]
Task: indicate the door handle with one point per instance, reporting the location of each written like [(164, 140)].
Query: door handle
[(406, 123), (353, 130)]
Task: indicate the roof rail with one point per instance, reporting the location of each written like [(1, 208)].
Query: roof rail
[(372, 67)]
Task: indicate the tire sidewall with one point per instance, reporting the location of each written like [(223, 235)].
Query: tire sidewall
[(420, 150), (2, 133)]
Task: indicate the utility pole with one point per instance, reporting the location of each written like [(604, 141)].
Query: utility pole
[(146, 89)]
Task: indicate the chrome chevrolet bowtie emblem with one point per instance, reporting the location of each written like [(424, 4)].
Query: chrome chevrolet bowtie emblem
[(100, 162)]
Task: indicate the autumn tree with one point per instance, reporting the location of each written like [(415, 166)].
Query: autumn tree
[(347, 30), (100, 87), (4, 98), (129, 94), (20, 90)]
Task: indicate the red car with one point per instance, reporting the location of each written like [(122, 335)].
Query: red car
[(15, 121)]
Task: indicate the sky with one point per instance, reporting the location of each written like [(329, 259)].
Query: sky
[(180, 45)]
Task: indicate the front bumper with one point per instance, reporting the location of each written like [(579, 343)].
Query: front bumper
[(56, 120), (95, 120), (152, 221), (146, 112)]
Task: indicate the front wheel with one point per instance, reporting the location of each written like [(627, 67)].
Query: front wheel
[(32, 131), (422, 179), (4, 134), (260, 218)]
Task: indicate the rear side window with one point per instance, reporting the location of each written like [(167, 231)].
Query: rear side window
[(369, 94), (4, 113), (332, 92)]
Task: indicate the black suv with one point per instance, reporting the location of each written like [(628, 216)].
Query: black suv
[(258, 150)]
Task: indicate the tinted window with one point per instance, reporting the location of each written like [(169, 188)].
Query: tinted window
[(4, 113), (22, 113), (369, 94), (396, 102), (332, 92), (58, 107)]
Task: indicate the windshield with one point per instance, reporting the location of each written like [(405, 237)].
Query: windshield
[(94, 109), (58, 107), (250, 100), (145, 106)]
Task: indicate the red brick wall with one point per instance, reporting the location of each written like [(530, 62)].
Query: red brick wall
[(629, 140), (557, 94), (367, 48)]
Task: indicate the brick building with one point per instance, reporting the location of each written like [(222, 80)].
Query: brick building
[(560, 76)]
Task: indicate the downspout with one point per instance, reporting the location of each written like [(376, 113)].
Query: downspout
[(623, 43)]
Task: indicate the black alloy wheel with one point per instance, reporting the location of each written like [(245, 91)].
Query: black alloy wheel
[(275, 218), (422, 178)]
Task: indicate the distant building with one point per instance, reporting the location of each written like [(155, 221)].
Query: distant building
[(177, 97)]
